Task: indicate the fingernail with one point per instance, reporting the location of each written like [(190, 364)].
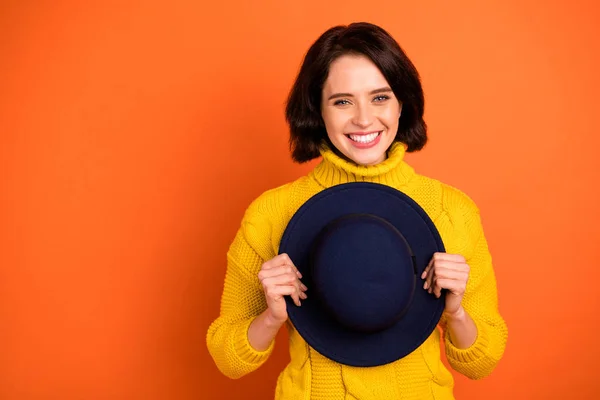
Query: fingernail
[(423, 275), (425, 285), (303, 286), (299, 274)]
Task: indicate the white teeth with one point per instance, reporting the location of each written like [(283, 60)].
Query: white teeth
[(364, 138)]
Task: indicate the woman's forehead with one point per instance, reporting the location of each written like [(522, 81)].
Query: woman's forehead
[(354, 74)]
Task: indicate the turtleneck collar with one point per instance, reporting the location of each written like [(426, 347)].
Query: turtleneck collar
[(334, 170)]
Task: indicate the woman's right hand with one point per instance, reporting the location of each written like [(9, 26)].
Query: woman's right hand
[(280, 277)]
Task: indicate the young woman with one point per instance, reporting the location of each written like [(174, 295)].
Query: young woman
[(358, 103)]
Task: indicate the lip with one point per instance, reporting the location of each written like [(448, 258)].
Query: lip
[(362, 133), (363, 146)]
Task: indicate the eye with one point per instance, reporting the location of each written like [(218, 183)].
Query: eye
[(341, 102), (381, 98)]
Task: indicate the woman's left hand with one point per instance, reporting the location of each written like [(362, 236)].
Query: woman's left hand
[(447, 271)]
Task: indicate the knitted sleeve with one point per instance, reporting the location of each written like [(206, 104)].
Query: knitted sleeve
[(243, 298), (481, 299)]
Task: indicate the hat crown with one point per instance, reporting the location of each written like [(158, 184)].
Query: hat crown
[(363, 271)]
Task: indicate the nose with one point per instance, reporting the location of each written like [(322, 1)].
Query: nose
[(363, 116)]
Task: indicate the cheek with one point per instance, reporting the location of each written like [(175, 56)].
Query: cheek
[(390, 117), (334, 123)]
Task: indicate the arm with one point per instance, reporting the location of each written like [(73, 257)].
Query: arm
[(476, 337), (461, 329), (242, 301), (263, 330), (241, 339)]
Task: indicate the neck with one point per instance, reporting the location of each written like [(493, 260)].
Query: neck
[(335, 169)]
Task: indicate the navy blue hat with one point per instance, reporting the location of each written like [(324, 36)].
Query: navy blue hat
[(361, 248)]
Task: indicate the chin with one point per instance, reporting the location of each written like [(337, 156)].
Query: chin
[(370, 159), (363, 156)]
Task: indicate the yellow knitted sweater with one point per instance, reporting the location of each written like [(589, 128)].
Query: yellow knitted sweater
[(420, 375)]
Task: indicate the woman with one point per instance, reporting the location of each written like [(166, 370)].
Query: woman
[(358, 103)]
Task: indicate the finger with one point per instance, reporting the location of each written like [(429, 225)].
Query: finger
[(274, 292), (427, 268), (455, 286), (286, 260), (296, 298), (285, 279), (281, 270), (299, 293), (448, 257), (445, 269), (460, 266), (280, 260), (435, 288), (295, 295), (429, 277), (301, 288), (449, 273)]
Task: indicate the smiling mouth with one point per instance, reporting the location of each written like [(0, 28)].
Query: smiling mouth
[(365, 139)]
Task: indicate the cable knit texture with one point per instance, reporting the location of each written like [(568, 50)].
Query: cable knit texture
[(420, 375)]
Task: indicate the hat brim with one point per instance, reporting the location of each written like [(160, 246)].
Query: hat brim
[(311, 320)]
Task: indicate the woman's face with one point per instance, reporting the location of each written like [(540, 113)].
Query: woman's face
[(360, 110)]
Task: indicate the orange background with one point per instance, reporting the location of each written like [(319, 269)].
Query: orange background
[(135, 134)]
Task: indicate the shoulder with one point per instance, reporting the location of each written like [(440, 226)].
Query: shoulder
[(440, 198), (462, 214), (454, 212), (279, 201), (264, 209), (457, 201), (264, 217)]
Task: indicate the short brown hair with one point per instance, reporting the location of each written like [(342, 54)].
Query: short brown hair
[(303, 109)]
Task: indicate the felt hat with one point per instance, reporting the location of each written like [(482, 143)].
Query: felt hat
[(361, 248)]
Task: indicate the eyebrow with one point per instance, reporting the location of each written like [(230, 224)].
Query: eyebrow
[(380, 90)]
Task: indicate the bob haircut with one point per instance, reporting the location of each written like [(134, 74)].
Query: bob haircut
[(303, 108)]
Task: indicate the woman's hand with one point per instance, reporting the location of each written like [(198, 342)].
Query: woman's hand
[(451, 272), (280, 277)]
